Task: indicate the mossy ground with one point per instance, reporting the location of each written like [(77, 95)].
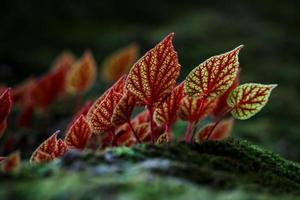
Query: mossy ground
[(232, 169)]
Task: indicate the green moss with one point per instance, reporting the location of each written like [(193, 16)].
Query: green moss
[(231, 169)]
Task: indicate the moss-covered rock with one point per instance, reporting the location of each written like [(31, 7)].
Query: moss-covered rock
[(231, 169)]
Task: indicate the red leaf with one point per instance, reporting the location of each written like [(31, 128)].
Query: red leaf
[(189, 109), (100, 114), (12, 162), (214, 76), (123, 109), (119, 63), (154, 76), (48, 150), (166, 113), (221, 131), (5, 108), (78, 135), (82, 74)]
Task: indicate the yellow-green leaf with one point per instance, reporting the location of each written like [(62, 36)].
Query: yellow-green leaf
[(248, 99), (214, 76)]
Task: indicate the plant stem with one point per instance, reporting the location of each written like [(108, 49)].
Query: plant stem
[(218, 121), (187, 136), (194, 131), (114, 138), (150, 111), (133, 131), (168, 131), (200, 109)]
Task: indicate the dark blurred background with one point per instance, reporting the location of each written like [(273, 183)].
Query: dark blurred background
[(33, 32)]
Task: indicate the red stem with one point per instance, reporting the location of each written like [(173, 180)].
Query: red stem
[(187, 136), (133, 131), (150, 110), (218, 121), (201, 107), (168, 130), (114, 140), (197, 122)]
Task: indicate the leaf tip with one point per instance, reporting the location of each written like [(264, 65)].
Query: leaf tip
[(273, 86)]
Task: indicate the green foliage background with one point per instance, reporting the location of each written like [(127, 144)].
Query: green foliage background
[(33, 32)]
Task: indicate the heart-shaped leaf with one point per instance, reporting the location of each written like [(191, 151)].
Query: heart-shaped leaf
[(214, 76), (153, 77), (248, 99)]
